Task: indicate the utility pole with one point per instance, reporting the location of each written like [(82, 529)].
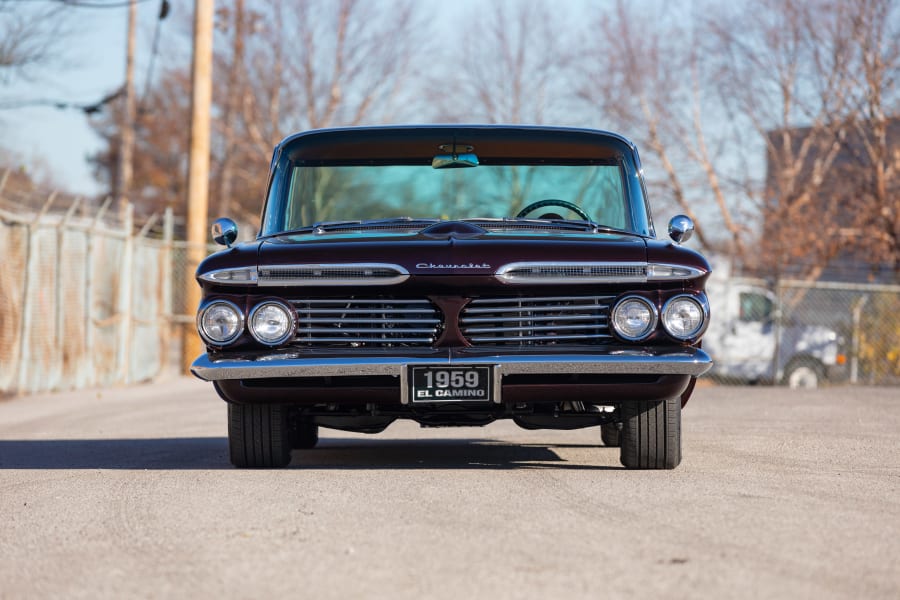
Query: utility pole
[(198, 168), (232, 106), (124, 168)]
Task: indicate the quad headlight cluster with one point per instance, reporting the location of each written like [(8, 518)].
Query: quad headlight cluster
[(221, 322), (634, 318)]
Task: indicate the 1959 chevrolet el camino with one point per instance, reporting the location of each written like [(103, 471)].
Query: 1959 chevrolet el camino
[(454, 275)]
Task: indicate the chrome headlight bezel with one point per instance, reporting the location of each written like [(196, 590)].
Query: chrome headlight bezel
[(201, 328), (700, 302), (291, 323), (620, 305)]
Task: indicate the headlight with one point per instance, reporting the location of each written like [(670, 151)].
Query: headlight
[(634, 318), (684, 317), (220, 323), (271, 323)]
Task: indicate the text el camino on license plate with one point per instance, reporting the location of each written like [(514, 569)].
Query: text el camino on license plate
[(450, 384)]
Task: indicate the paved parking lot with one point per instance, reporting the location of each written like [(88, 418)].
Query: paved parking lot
[(128, 493)]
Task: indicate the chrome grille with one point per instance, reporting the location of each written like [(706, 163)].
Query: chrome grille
[(558, 272), (332, 274), (537, 321), (366, 322)]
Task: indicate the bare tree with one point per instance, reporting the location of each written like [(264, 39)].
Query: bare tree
[(29, 39), (874, 72), (648, 78), (506, 64), (281, 66)]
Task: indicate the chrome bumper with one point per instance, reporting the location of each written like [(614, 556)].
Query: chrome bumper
[(636, 361)]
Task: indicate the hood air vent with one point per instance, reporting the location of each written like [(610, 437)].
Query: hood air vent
[(332, 274)]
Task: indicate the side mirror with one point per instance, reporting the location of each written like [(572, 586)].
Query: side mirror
[(681, 228), (224, 232)]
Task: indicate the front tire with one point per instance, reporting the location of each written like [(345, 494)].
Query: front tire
[(258, 435), (651, 434), (610, 434), (304, 433)]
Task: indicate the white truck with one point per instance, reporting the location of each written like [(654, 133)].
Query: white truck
[(751, 340)]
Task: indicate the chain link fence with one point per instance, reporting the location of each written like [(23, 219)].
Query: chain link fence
[(804, 334), (88, 298)]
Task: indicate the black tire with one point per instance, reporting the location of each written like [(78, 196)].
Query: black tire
[(258, 435), (304, 433), (610, 434), (651, 434)]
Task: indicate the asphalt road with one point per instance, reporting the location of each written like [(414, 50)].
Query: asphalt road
[(128, 493)]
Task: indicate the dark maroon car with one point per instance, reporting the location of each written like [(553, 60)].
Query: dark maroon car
[(454, 275)]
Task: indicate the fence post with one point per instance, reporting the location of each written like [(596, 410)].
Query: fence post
[(854, 343), (777, 366), (27, 307), (25, 322), (89, 293), (123, 359), (59, 299), (166, 300)]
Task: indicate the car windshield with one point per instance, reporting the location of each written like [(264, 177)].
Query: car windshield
[(321, 193)]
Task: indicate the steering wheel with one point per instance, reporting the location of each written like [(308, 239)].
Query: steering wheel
[(553, 202)]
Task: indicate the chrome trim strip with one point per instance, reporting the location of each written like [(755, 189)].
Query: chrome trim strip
[(264, 276), (633, 361), (525, 307), (210, 276), (530, 299), (618, 272), (592, 318), (519, 339), (507, 274)]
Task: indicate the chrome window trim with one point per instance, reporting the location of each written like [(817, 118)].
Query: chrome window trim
[(208, 340), (401, 275)]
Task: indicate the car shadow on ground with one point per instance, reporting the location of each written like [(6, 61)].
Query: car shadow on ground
[(205, 453)]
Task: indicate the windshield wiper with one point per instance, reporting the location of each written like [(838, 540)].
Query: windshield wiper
[(544, 224), (403, 223)]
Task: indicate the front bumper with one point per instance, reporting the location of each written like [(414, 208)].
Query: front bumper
[(618, 361)]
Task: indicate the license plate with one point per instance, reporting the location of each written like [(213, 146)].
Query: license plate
[(451, 384)]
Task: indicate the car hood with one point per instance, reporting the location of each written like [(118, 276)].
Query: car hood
[(421, 254)]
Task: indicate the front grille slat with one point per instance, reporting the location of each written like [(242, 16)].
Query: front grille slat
[(556, 307), (539, 321), (366, 322), (538, 338)]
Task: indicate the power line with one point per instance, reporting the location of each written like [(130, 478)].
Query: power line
[(86, 3), (88, 108)]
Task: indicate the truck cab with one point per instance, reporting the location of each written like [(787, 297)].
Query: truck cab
[(753, 340)]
